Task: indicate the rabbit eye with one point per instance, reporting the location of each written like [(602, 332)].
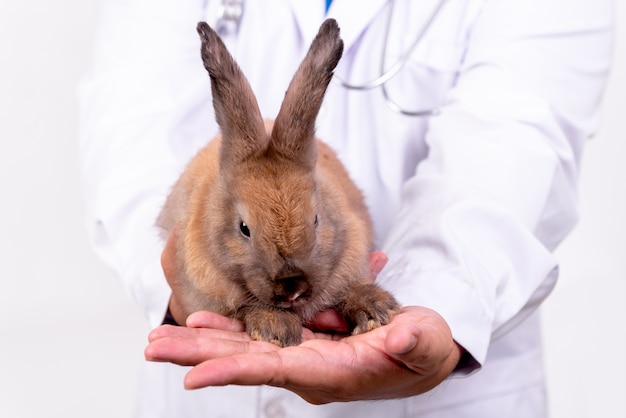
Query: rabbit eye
[(244, 229), (316, 221)]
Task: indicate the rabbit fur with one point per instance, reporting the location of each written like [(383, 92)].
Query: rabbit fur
[(271, 230)]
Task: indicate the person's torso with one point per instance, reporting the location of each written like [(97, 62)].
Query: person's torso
[(380, 147)]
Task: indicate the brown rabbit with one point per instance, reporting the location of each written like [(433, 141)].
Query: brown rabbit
[(271, 228)]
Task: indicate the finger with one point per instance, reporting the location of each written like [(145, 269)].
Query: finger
[(189, 352), (167, 331), (177, 332), (402, 340), (419, 339), (206, 319), (188, 346), (259, 370), (292, 367), (174, 350), (377, 262), (200, 334), (329, 321)]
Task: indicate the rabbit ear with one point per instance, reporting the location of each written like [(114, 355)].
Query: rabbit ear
[(293, 132), (236, 109)]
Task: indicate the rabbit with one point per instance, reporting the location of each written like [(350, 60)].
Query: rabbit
[(271, 229)]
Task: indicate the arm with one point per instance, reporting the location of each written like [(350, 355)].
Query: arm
[(497, 192), (130, 110)]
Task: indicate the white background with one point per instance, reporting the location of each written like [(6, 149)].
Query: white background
[(71, 340)]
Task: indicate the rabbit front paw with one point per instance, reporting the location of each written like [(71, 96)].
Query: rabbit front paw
[(276, 326), (368, 306)]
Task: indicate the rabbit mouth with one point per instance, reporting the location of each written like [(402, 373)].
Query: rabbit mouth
[(290, 305)]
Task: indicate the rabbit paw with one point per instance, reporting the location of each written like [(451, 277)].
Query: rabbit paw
[(276, 326), (368, 306)]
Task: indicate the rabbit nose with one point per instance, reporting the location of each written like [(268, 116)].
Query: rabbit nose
[(291, 287)]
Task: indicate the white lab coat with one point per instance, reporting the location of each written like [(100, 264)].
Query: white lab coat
[(468, 204)]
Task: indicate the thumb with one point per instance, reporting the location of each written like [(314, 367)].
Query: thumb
[(412, 345), (421, 340), (401, 341)]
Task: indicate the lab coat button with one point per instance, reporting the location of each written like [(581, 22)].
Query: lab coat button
[(274, 409)]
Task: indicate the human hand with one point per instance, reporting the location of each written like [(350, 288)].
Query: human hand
[(409, 356)]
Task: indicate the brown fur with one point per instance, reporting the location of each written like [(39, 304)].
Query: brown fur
[(309, 230)]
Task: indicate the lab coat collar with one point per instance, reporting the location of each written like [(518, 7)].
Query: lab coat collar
[(352, 16)]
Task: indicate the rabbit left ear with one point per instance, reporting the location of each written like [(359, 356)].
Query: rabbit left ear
[(294, 129), (236, 108)]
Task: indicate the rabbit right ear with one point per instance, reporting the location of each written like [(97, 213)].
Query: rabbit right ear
[(236, 108)]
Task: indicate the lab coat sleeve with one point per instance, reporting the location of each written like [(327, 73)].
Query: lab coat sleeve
[(129, 118), (474, 236)]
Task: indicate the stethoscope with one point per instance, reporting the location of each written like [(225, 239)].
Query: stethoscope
[(232, 11)]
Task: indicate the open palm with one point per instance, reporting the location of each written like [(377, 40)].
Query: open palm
[(411, 355)]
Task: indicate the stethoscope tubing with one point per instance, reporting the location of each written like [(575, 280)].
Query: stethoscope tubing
[(386, 75), (232, 11)]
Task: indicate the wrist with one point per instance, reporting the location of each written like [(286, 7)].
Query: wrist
[(168, 319), (466, 364), (174, 315)]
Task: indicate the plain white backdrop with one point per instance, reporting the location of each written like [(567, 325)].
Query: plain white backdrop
[(71, 340)]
